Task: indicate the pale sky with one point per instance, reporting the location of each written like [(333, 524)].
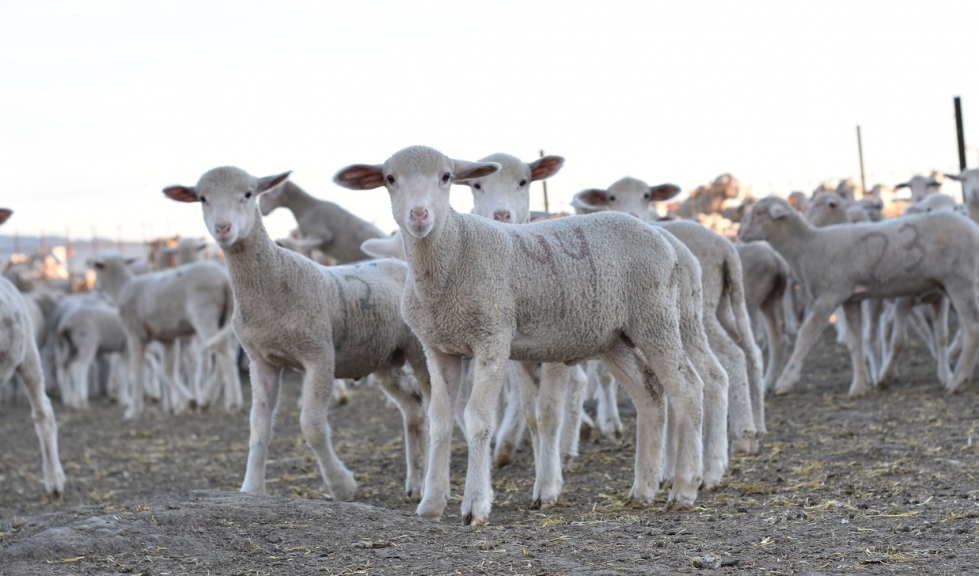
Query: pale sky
[(103, 102)]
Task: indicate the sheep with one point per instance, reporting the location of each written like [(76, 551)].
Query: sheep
[(554, 291), (970, 190), (845, 264), (767, 277), (19, 353), (82, 333), (290, 312), (826, 209), (920, 187), (504, 196), (194, 299), (339, 231), (726, 319), (866, 209)]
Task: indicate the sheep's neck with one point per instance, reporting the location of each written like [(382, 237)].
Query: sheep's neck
[(252, 259), (297, 200), (791, 239), (114, 281), (432, 258)]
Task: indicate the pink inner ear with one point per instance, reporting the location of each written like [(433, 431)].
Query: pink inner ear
[(4, 214), (181, 193), (593, 198), (663, 192), (545, 167)]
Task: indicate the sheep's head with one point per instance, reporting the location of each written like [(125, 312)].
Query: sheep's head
[(4, 214), (629, 195), (970, 184), (873, 206), (826, 209), (920, 187), (763, 217), (228, 197), (418, 180), (504, 196)]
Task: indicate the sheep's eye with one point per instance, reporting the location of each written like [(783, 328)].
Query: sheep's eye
[(611, 198), (478, 186), (646, 195), (390, 179), (446, 176), (203, 199), (248, 194), (523, 182)]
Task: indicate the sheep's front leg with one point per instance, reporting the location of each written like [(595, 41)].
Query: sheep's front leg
[(480, 412), (137, 354), (898, 333), (265, 401), (808, 336), (854, 341), (315, 424), (45, 425), (395, 385), (444, 373)]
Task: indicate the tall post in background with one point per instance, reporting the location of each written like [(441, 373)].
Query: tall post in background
[(863, 179), (960, 132), (547, 208)]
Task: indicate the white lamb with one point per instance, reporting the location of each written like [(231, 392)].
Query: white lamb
[(842, 265), (82, 333), (726, 319), (194, 299), (555, 291), (920, 187), (328, 322), (19, 353), (340, 232)]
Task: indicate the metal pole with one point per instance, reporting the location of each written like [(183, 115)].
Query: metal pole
[(960, 132), (544, 182), (863, 180)]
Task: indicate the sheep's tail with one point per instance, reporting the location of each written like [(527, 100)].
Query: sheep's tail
[(221, 336), (741, 331)]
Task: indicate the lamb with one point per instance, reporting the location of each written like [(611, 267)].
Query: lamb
[(340, 232), (767, 277), (19, 353), (726, 319), (826, 209), (970, 190), (337, 322), (186, 251), (846, 264), (554, 291), (920, 187), (194, 299), (504, 196), (82, 333), (866, 209)]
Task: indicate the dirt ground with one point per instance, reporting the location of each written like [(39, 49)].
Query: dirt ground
[(882, 484)]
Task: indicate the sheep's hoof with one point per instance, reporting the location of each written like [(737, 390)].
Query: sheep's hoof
[(742, 445), (782, 391), (342, 399), (504, 456), (953, 389), (711, 486), (858, 393), (474, 520), (429, 510)]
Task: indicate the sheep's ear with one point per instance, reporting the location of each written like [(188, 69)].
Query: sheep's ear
[(545, 167), (934, 184), (201, 245), (308, 243), (663, 192), (131, 261), (592, 199), (463, 170), (360, 176), (383, 247), (956, 177), (901, 185), (4, 214), (777, 211), (264, 184), (182, 193), (97, 264)]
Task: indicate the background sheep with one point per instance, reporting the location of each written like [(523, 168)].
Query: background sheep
[(338, 322)]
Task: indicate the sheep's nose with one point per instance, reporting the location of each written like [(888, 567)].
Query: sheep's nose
[(502, 216), (222, 228), (419, 213)]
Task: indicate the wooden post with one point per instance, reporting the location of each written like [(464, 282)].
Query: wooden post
[(863, 180), (544, 182), (960, 132)]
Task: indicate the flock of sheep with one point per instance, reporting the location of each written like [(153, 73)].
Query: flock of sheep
[(505, 320)]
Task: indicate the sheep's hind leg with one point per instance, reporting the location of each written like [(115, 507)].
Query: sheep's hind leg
[(854, 341), (809, 333), (550, 412), (395, 384), (45, 425), (963, 296)]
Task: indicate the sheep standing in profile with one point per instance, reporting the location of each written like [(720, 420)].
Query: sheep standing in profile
[(328, 322), (555, 291), (842, 265), (19, 353)]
